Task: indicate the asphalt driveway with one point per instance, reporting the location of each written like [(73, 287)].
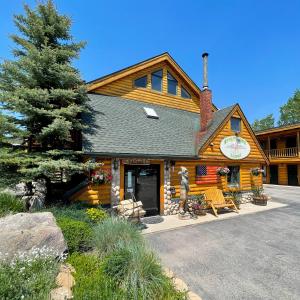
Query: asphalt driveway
[(255, 256)]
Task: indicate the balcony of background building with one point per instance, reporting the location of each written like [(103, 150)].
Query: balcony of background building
[(283, 153)]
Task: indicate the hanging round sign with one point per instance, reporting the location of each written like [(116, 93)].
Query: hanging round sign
[(235, 147)]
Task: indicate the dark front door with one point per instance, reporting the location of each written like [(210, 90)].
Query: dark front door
[(143, 182), (273, 174), (292, 175)]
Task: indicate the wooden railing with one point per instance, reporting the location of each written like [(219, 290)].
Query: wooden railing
[(285, 152)]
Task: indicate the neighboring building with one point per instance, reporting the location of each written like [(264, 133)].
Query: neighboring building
[(282, 146), (150, 119)]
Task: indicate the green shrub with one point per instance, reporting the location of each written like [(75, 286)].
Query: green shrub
[(114, 233), (91, 283), (27, 279), (96, 215), (10, 204), (139, 274), (76, 211), (78, 234)]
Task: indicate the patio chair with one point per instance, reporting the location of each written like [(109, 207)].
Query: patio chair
[(215, 200)]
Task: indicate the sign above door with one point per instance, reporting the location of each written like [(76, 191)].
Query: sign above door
[(136, 161)]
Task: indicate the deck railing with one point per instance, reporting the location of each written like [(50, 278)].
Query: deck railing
[(285, 152)]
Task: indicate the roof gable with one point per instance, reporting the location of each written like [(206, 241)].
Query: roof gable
[(164, 57), (221, 129)]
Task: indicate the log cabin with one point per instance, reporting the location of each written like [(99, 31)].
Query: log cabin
[(150, 119), (282, 147)]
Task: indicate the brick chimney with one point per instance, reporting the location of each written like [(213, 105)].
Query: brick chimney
[(206, 113)]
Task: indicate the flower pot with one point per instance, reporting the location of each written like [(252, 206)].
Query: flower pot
[(200, 212), (262, 200)]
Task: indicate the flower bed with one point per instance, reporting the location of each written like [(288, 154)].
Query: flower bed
[(29, 277)]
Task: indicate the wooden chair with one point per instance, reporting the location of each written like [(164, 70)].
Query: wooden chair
[(215, 200)]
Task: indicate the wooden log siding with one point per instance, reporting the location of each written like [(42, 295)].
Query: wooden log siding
[(96, 194), (247, 181), (124, 88)]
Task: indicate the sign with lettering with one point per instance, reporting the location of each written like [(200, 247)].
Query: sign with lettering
[(235, 147), (136, 161)]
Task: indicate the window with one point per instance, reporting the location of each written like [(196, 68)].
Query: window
[(141, 82), (172, 84), (233, 177), (156, 80), (235, 124), (150, 112), (273, 144), (184, 93)]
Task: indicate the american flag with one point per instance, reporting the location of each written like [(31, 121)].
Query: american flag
[(201, 170), (206, 174)]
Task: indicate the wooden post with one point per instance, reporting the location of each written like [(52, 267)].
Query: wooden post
[(298, 143), (269, 146)]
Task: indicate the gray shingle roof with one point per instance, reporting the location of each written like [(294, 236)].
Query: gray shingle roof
[(120, 127)]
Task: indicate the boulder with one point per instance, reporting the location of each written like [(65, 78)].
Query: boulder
[(25, 233)]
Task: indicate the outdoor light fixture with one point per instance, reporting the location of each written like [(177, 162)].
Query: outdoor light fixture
[(172, 162), (116, 164), (167, 165)]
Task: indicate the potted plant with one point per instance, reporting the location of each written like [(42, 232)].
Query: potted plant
[(235, 194), (256, 171), (259, 198), (199, 205), (222, 171), (101, 177)]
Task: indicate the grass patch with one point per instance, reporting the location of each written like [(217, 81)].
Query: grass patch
[(27, 279), (113, 234), (127, 262), (10, 204), (91, 282), (139, 274)]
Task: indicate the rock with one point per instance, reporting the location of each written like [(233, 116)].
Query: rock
[(65, 277), (180, 285), (193, 296), (25, 233), (61, 293), (168, 273)]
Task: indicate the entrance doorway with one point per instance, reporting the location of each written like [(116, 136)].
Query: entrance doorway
[(273, 174), (292, 174), (143, 182)]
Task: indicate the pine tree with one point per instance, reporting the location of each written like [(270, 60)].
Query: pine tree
[(290, 112), (46, 92), (264, 123)]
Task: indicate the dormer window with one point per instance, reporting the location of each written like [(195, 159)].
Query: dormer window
[(185, 94), (172, 85), (156, 80), (141, 82)]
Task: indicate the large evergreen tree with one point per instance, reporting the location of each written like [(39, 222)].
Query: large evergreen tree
[(290, 112), (264, 123), (45, 91)]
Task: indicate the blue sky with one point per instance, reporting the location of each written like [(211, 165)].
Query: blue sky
[(253, 45)]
